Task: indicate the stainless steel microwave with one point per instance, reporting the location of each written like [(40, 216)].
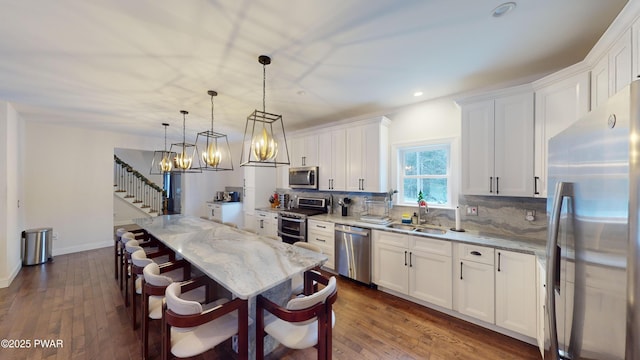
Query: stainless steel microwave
[(303, 177)]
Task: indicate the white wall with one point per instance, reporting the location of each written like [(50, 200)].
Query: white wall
[(69, 183), (11, 191)]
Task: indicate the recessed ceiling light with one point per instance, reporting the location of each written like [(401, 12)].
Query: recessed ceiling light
[(503, 9), (417, 93)]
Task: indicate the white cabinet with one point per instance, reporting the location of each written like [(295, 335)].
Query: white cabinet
[(367, 156), (259, 185), (541, 288), (497, 146), (600, 82), (515, 278), (474, 288), (266, 223), (332, 159), (390, 263), (304, 150), (558, 105), (230, 212), (413, 265), (430, 273), (613, 71), (322, 234)]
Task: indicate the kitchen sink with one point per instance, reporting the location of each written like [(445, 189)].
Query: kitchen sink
[(402, 227), (430, 230)]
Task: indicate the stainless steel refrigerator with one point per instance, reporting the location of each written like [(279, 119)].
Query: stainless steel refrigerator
[(593, 245)]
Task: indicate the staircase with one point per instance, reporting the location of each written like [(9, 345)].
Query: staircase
[(133, 187)]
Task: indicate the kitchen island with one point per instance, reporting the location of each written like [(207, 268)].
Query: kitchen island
[(245, 264)]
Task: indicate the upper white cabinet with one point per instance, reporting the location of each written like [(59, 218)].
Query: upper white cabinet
[(367, 156), (558, 104), (304, 150), (332, 159), (613, 71), (497, 146)]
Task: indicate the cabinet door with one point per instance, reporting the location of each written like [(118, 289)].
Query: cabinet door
[(541, 288), (514, 145), (355, 149), (262, 223), (372, 158), (296, 153), (620, 68), (325, 161), (475, 290), (556, 107), (478, 148), (304, 151), (430, 278), (600, 82), (217, 213), (390, 267), (332, 159), (516, 292)]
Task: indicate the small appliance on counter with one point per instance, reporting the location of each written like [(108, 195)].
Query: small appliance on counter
[(219, 196), (344, 204)]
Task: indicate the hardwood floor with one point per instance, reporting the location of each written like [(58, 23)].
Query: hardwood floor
[(75, 300)]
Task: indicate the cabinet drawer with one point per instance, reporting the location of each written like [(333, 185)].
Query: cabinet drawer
[(320, 238), (320, 226), (475, 253), (390, 238), (440, 247)]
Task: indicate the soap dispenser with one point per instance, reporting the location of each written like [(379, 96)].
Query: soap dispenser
[(414, 219)]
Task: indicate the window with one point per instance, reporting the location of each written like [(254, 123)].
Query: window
[(425, 168)]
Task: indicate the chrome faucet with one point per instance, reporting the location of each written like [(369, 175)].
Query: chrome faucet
[(422, 220)]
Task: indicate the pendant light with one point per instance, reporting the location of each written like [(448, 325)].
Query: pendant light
[(185, 154), (162, 161), (216, 153), (264, 141)]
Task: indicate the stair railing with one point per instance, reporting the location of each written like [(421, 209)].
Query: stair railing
[(128, 180)]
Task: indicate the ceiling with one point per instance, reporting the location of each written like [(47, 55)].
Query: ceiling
[(128, 65)]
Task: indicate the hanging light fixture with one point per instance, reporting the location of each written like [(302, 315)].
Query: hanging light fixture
[(162, 161), (185, 153), (216, 155), (264, 142)]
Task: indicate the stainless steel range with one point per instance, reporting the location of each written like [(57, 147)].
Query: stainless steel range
[(292, 223)]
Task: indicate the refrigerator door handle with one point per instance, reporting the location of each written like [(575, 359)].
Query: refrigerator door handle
[(563, 189)]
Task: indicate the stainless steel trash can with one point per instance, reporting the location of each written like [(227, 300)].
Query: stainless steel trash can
[(36, 246)]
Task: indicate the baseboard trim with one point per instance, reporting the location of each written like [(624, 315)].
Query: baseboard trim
[(6, 282), (83, 247)]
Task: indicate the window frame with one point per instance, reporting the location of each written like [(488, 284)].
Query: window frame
[(452, 177)]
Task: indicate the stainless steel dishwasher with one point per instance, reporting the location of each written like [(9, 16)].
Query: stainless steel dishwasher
[(353, 252)]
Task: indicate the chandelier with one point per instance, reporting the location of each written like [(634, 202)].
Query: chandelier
[(216, 155), (263, 132), (185, 153), (162, 161)]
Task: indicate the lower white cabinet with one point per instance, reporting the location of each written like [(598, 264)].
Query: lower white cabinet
[(226, 212), (516, 292), (541, 288), (266, 223), (475, 294), (322, 234), (413, 265)]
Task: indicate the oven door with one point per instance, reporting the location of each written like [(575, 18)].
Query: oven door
[(292, 229)]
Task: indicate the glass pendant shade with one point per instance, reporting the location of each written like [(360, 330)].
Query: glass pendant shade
[(216, 153), (162, 161), (264, 141), (186, 159)]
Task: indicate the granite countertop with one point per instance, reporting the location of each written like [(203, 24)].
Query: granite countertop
[(222, 202), (270, 209), (244, 263), (516, 244)]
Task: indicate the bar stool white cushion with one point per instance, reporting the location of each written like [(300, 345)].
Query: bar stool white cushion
[(301, 335), (187, 342), (153, 276)]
